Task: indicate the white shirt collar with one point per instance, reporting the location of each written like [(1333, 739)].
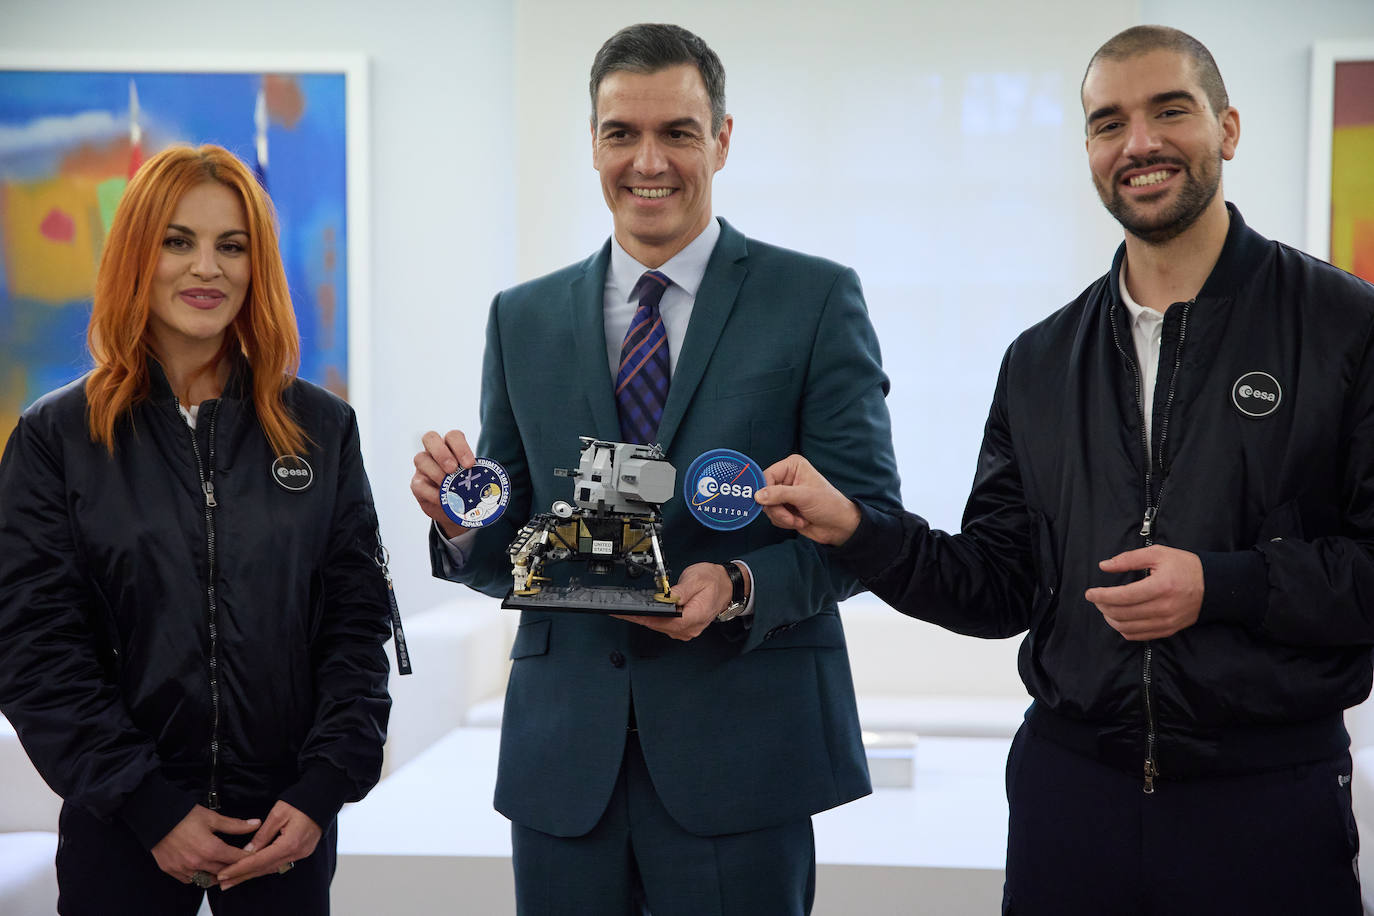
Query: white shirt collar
[(686, 268), (1140, 314)]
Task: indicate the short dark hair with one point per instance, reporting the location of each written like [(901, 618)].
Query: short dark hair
[(650, 47), (1142, 39)]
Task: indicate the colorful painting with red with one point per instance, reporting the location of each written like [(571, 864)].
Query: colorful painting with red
[(1352, 168), (69, 141)]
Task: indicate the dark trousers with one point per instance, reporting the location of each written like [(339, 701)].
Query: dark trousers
[(1085, 840), (637, 859), (102, 870)]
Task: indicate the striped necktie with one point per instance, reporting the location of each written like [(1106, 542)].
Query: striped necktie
[(641, 384)]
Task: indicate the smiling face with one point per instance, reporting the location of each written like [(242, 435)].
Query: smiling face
[(203, 272), (657, 155), (1155, 146)]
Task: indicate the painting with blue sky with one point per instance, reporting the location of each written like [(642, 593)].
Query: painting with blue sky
[(68, 143)]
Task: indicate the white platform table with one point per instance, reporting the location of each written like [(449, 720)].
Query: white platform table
[(427, 841)]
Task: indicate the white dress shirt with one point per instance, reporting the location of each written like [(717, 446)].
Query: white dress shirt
[(1147, 331), (686, 269)]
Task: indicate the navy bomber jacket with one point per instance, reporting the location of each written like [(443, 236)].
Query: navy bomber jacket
[(164, 643), (1263, 465)]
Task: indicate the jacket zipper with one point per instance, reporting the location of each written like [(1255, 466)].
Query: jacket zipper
[(1152, 503), (206, 471)]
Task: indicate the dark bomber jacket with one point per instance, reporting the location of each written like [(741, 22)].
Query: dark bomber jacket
[(1263, 465), (137, 688)]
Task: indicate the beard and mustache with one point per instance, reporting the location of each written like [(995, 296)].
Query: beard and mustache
[(1192, 200)]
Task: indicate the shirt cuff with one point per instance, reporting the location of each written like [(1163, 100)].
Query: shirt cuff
[(458, 548), (753, 589)]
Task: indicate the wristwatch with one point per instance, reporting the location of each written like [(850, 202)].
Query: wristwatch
[(739, 593)]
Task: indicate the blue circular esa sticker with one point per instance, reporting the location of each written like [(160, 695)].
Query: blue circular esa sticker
[(719, 488), (476, 496)]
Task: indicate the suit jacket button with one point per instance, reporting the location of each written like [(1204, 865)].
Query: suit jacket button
[(617, 659)]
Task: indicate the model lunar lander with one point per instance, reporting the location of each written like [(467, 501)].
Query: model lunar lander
[(612, 521)]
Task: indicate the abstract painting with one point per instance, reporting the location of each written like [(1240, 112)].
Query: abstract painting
[(70, 138), (1341, 204)]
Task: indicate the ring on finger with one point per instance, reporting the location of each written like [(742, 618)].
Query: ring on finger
[(202, 879), (286, 868)]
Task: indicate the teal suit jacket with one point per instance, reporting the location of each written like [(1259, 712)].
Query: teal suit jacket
[(752, 723)]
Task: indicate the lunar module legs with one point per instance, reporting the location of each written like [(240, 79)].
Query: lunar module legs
[(615, 522)]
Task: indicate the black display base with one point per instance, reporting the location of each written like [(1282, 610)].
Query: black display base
[(601, 599)]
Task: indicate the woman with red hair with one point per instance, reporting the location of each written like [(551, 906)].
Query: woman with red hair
[(192, 605)]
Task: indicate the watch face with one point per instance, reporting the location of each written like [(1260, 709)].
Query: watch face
[(732, 610)]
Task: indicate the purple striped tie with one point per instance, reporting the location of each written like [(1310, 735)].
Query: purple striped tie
[(641, 384)]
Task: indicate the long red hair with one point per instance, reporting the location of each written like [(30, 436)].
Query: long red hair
[(264, 330)]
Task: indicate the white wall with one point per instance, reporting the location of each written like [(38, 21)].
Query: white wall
[(442, 204)]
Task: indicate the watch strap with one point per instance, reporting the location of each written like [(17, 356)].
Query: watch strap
[(739, 597)]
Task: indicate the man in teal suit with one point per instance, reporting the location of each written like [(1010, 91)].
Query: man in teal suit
[(675, 762)]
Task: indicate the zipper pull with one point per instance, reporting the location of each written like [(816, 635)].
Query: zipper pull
[(1150, 774), (209, 488), (1149, 523)]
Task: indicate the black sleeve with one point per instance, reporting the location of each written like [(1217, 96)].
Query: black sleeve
[(979, 582), (54, 686), (341, 758)]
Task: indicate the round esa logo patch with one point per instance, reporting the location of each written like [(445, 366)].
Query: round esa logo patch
[(719, 488), (476, 496), (292, 472), (1256, 394)]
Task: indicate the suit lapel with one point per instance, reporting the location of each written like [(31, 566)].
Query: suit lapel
[(588, 305), (725, 273)]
